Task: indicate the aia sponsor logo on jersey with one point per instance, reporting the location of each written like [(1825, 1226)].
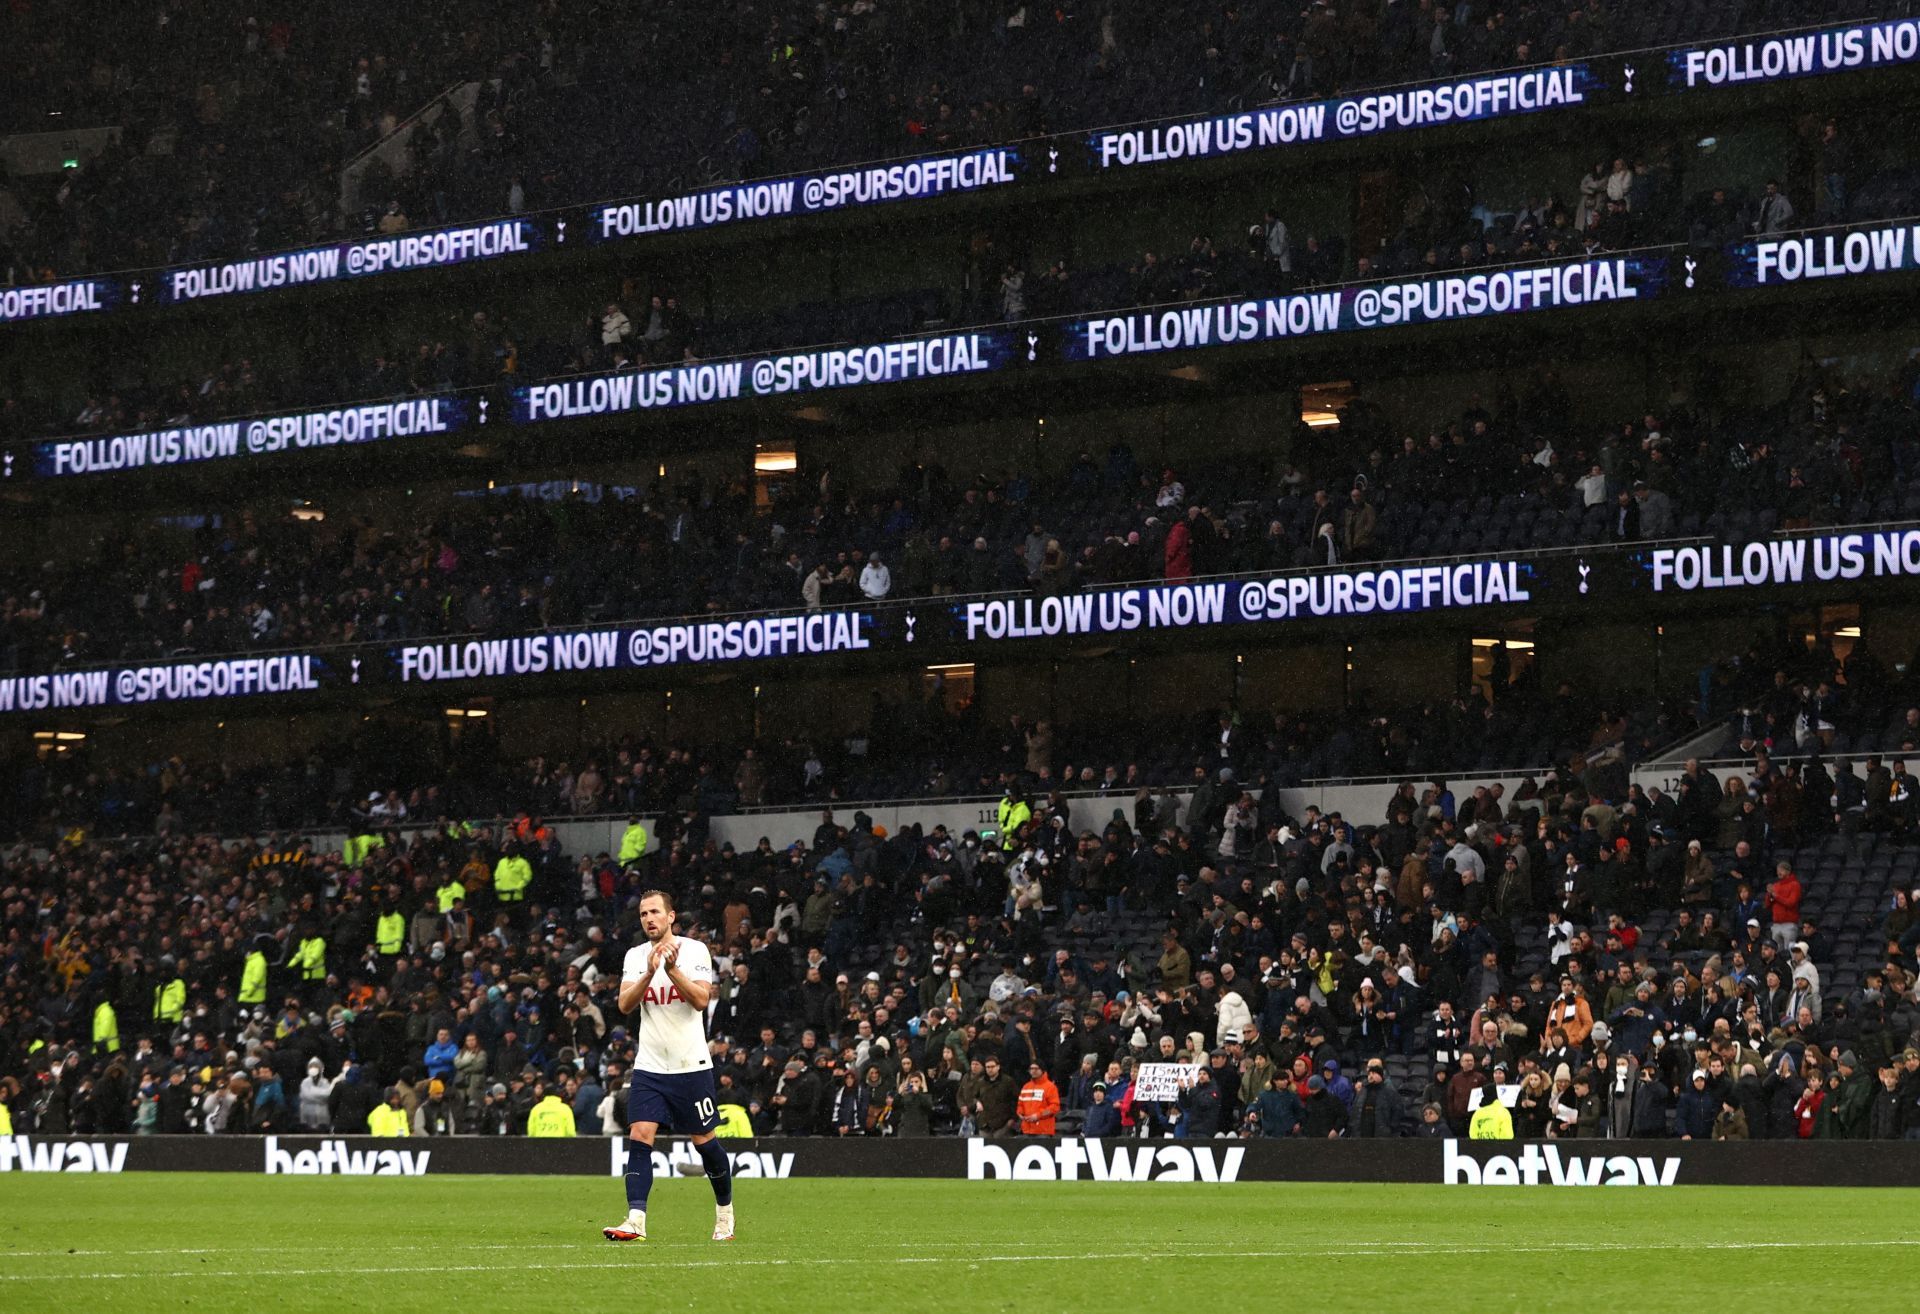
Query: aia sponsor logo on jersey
[(658, 995)]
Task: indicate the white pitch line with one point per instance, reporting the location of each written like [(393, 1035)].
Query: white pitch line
[(1358, 1251), (675, 1264), (356, 1248)]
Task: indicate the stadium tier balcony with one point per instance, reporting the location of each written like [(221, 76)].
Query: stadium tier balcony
[(655, 322), (914, 751), (1480, 481)]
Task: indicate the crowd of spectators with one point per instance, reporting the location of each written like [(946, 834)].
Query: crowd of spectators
[(237, 120), (1599, 964), (1517, 470)]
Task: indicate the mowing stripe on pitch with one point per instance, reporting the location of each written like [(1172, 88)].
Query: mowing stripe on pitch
[(1362, 1251)]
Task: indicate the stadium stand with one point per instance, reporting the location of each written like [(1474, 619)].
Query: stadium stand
[(1358, 914)]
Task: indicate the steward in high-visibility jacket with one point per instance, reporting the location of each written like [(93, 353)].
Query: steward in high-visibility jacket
[(449, 892), (390, 933), (1491, 1121), (633, 842), (388, 1119), (170, 1001), (1013, 814), (310, 959), (550, 1117), (734, 1123), (106, 1029), (511, 876), (253, 979)]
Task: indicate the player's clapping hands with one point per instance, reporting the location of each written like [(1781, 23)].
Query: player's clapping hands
[(662, 956)]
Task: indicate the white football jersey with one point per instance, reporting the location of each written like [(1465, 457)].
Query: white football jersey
[(673, 1033)]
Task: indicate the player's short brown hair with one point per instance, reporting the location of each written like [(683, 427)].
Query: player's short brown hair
[(663, 895)]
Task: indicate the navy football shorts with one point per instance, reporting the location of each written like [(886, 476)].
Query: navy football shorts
[(681, 1102)]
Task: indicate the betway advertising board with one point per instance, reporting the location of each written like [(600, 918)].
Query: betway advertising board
[(1034, 1162)]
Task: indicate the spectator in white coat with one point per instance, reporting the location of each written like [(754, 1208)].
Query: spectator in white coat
[(314, 1092), (615, 327)]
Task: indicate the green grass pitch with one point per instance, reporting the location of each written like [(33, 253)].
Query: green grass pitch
[(178, 1241)]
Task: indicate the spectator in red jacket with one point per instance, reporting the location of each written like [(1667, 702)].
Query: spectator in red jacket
[(1179, 551), (1806, 1110), (1783, 898)]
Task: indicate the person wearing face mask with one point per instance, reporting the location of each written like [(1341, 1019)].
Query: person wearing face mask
[(1670, 1060), (314, 1093), (956, 994)]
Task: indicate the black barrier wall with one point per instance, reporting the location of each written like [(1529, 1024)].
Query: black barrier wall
[(1222, 1162)]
